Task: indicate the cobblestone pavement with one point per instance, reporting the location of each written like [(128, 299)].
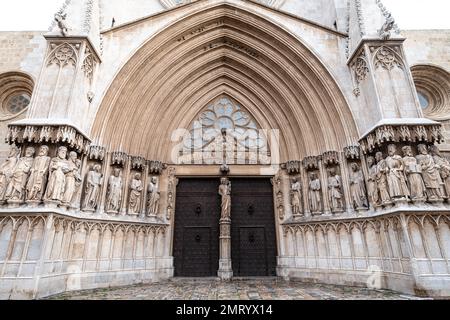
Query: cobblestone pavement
[(253, 289)]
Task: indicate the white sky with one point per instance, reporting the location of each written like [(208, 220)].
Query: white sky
[(20, 15)]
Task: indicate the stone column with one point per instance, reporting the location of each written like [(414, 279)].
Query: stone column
[(225, 267)]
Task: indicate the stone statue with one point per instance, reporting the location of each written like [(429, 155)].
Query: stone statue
[(314, 194), (372, 187), (76, 198), (17, 184), (225, 192), (114, 194), (62, 25), (136, 188), (7, 169), (430, 173), (335, 191), (398, 189), (153, 196), (59, 166), (38, 176), (444, 168), (414, 175), (72, 177), (381, 179), (296, 202), (94, 181), (358, 188)]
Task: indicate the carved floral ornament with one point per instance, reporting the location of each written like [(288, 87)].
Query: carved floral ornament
[(63, 54), (387, 57), (360, 68), (19, 134), (401, 133)]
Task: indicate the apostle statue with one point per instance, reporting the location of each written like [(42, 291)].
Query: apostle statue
[(72, 176), (59, 166), (358, 188), (136, 188), (314, 194), (335, 191), (430, 173), (15, 191), (414, 175), (225, 193), (381, 179), (372, 186), (114, 194), (444, 168), (296, 202), (153, 196), (76, 198), (94, 181), (398, 189), (38, 175), (7, 169)]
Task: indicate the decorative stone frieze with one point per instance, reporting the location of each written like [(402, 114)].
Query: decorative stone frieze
[(383, 135), (57, 134)]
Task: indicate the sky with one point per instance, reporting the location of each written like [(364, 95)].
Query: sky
[(409, 14)]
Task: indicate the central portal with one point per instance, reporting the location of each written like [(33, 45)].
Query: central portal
[(197, 228)]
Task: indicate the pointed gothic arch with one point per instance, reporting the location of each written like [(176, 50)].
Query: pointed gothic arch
[(224, 49)]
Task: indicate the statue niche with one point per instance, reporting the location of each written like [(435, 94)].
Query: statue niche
[(153, 197), (315, 189), (94, 181), (114, 192), (335, 191), (296, 198)]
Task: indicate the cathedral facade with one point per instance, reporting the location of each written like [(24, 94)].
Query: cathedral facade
[(307, 140)]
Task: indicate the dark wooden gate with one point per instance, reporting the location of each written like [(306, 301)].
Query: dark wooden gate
[(253, 244), (196, 240)]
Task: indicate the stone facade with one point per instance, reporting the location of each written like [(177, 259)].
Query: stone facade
[(347, 119)]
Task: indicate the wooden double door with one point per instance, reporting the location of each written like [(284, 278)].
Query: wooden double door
[(196, 239)]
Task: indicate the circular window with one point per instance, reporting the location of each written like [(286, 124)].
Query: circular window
[(17, 103), (424, 103)]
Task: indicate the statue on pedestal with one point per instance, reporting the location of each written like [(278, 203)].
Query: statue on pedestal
[(413, 173), (225, 192), (398, 188), (59, 166), (94, 181), (430, 174), (16, 187), (381, 179), (38, 175), (7, 169), (372, 187), (335, 191), (72, 177), (153, 196), (314, 194), (444, 168), (114, 194), (296, 196), (358, 188), (136, 188)]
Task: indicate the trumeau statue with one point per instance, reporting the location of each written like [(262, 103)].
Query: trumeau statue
[(314, 194), (94, 181), (59, 166), (7, 169), (444, 168), (430, 173), (18, 181), (372, 182), (334, 191), (358, 188), (414, 175), (136, 188), (114, 195), (296, 202), (153, 196), (381, 179), (395, 174), (72, 177), (225, 192), (38, 175)]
